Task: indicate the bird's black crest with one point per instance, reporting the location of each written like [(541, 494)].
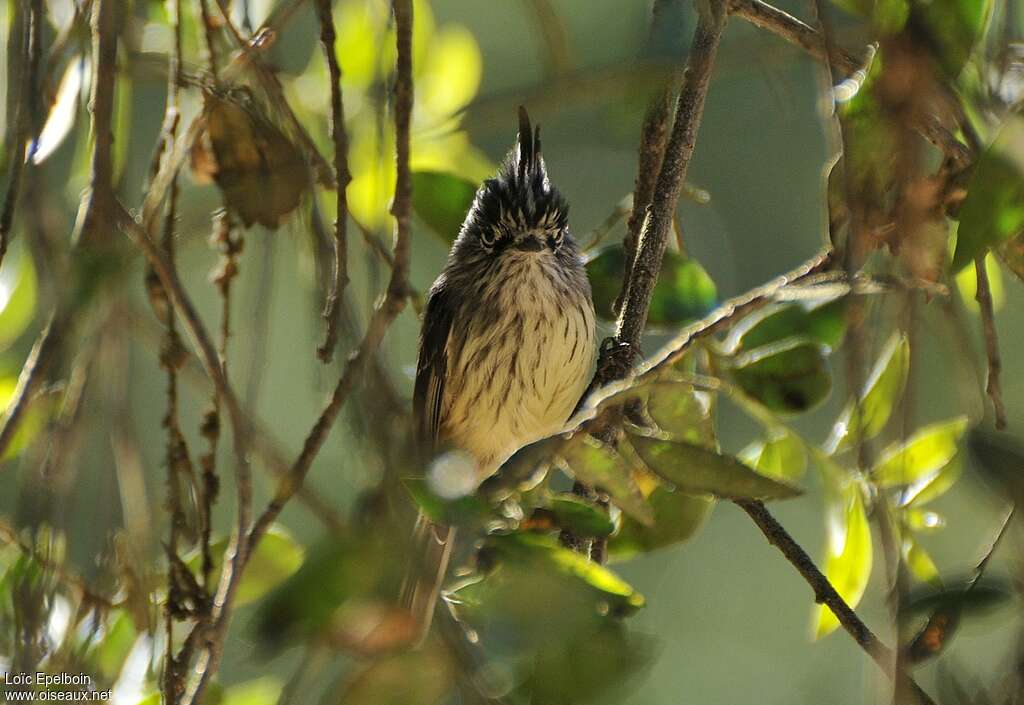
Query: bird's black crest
[(521, 191)]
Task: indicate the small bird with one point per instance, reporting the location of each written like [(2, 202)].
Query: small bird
[(508, 341)]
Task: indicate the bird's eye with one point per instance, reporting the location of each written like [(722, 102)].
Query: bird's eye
[(487, 237)]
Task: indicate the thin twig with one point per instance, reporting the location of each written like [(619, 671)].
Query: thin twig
[(341, 176), (29, 381), (983, 295), (825, 593), (794, 31), (210, 36), (397, 292)]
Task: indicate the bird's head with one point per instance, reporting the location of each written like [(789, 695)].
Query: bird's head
[(518, 211)]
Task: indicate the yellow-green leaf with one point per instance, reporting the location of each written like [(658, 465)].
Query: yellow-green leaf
[(677, 517), (781, 456), (599, 466), (699, 470), (923, 455), (882, 392), (848, 558), (919, 562), (276, 558), (442, 200)]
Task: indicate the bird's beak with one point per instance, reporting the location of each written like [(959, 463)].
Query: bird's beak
[(530, 243)]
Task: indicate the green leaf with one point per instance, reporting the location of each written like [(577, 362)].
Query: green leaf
[(677, 517), (276, 558), (544, 552), (822, 321), (108, 654), (17, 295), (921, 456), (702, 471), (848, 557), (781, 456), (931, 488), (993, 211), (952, 27), (566, 511), (882, 391), (442, 200), (684, 292), (919, 562), (34, 420), (597, 465), (788, 376), (262, 691), (682, 411), (421, 677), (469, 510), (350, 567)]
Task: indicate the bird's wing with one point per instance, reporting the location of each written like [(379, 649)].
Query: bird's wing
[(432, 366)]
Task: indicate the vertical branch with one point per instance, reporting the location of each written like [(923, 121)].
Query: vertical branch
[(210, 36), (401, 207), (25, 120), (341, 176), (983, 295), (619, 353), (398, 287)]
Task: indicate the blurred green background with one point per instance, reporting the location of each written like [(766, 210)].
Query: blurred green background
[(731, 618)]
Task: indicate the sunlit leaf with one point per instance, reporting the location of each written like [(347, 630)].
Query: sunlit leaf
[(442, 200), (921, 456), (421, 677), (566, 511), (684, 292), (882, 391), (32, 422), (923, 521), (452, 73), (262, 691), (599, 466), (848, 556), (17, 295), (993, 211), (967, 281), (275, 559), (781, 456), (544, 552), (677, 517), (109, 653), (919, 562), (931, 487), (888, 16), (787, 376), (700, 470), (62, 114)]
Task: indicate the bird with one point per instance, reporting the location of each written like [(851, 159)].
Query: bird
[(507, 343)]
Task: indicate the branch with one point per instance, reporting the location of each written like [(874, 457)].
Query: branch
[(341, 177), (983, 296), (25, 123), (825, 593), (30, 379), (796, 32)]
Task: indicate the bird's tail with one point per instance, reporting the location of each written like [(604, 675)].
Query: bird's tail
[(431, 549)]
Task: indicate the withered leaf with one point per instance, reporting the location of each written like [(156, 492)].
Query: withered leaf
[(257, 167)]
